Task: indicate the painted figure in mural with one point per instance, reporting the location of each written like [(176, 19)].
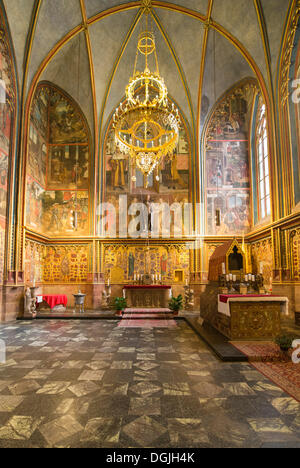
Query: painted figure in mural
[(131, 265), (164, 264), (118, 169), (66, 124), (174, 178)]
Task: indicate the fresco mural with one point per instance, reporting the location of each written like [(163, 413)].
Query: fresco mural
[(121, 263), (56, 212), (66, 123), (57, 201), (65, 212), (68, 167), (227, 164), (38, 135), (169, 184), (7, 112)]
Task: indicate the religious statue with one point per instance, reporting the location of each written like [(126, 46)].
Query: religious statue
[(106, 295), (29, 304), (189, 302)]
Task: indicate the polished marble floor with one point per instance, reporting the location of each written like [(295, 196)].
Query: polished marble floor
[(94, 384)]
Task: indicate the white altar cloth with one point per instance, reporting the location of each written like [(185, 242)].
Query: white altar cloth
[(225, 308)]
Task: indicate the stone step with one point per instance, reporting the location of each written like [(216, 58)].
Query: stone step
[(135, 316), (146, 311)]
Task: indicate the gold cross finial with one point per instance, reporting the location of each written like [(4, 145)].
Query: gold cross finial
[(147, 5)]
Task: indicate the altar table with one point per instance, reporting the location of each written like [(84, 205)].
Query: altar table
[(148, 296), (252, 316), (53, 300)]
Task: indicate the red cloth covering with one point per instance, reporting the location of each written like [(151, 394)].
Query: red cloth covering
[(55, 300), (143, 286), (224, 297)]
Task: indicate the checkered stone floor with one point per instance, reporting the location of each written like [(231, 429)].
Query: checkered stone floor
[(94, 384)]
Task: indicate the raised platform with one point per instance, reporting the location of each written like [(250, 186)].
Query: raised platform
[(219, 344)]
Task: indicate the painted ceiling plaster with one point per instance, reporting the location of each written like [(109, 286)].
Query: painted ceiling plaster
[(180, 39)]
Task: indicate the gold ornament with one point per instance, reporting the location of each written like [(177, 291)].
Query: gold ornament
[(147, 125)]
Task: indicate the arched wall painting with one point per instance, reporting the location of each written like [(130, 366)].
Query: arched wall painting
[(171, 184), (227, 182), (295, 116), (7, 110), (58, 165)]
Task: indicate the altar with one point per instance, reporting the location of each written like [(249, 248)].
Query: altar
[(148, 296), (251, 316)]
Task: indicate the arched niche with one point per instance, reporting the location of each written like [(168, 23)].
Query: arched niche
[(58, 165), (227, 184)]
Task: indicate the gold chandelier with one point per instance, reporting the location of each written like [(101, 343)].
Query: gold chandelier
[(147, 125)]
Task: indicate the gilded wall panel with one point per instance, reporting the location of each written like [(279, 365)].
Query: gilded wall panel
[(122, 263), (34, 262), (262, 258), (66, 264)]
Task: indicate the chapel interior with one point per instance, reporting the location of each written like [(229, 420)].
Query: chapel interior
[(109, 109)]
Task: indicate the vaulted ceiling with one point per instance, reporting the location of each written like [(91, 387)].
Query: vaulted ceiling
[(88, 47)]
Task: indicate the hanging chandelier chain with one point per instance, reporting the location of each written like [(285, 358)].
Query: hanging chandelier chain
[(146, 125)]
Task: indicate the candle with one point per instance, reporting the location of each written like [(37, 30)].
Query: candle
[(223, 269), (108, 283), (234, 278), (253, 278), (227, 277), (230, 276), (261, 268), (34, 282)]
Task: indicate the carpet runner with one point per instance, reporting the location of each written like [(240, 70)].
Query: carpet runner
[(273, 364)]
